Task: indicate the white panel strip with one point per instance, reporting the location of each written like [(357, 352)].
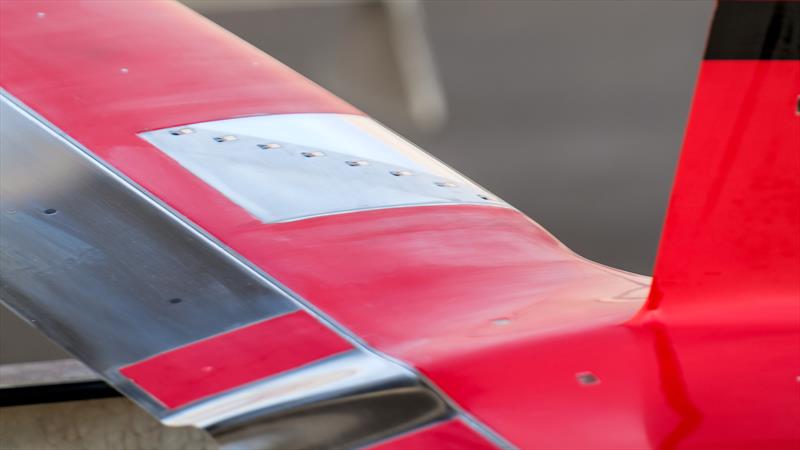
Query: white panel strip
[(295, 166)]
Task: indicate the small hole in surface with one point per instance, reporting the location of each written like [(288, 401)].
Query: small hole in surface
[(50, 211), (587, 378), (175, 301)]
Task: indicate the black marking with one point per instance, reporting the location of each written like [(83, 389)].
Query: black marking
[(755, 30)]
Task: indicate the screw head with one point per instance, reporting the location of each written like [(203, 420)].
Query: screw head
[(444, 183), (181, 131), (313, 154), (228, 138), (401, 173), (269, 146), (356, 163)]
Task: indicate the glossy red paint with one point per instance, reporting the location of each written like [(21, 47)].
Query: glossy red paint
[(725, 305), (213, 365), (483, 301), (731, 243), (450, 435)]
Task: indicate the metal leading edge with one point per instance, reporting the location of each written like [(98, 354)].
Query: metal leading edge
[(115, 277)]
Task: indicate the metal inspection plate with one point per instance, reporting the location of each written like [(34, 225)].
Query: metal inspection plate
[(295, 166)]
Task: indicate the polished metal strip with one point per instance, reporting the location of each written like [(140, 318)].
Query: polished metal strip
[(239, 422), (101, 271)]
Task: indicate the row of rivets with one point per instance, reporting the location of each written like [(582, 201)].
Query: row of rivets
[(314, 154)]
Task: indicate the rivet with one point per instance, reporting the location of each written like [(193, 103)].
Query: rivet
[(356, 163), (269, 146), (207, 369), (444, 183), (181, 131), (50, 211), (228, 138), (485, 197), (175, 301), (503, 321), (401, 173), (40, 14), (587, 378), (312, 154), (124, 70)]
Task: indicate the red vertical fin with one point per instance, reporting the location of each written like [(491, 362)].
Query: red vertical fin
[(730, 250)]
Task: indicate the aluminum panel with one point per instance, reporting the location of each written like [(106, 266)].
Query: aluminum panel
[(295, 166)]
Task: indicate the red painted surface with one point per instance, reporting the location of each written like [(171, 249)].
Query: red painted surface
[(482, 300), (450, 435), (204, 368), (731, 243)]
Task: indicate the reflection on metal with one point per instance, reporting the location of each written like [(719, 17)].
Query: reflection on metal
[(283, 184), (95, 264), (346, 422), (115, 277), (346, 373), (342, 401)]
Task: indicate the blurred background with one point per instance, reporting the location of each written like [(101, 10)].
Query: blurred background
[(572, 111)]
